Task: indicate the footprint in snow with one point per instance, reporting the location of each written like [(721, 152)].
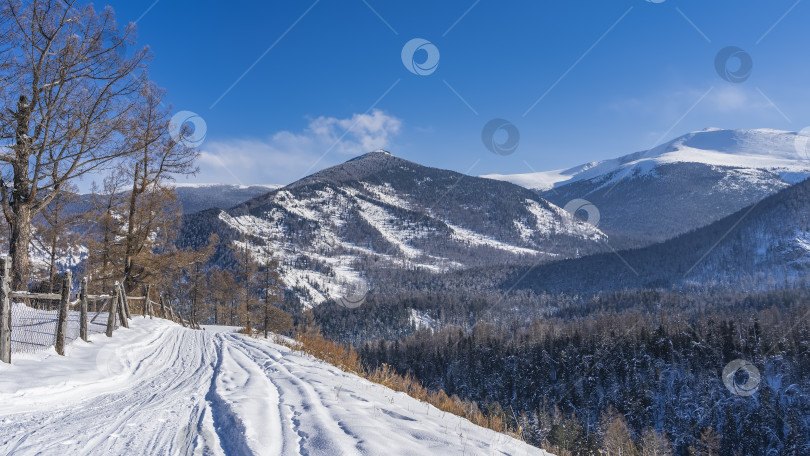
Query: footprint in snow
[(397, 415)]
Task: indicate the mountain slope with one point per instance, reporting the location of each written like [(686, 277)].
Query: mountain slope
[(199, 197), (158, 388), (687, 183), (765, 245), (334, 229)]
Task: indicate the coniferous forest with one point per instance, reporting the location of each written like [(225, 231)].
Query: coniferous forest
[(563, 381)]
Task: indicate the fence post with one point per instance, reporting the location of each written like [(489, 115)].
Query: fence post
[(147, 302), (61, 324), (112, 311), (122, 304), (5, 312), (83, 309), (162, 307), (126, 304), (143, 305)]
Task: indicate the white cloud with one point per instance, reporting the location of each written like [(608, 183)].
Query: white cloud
[(676, 102), (287, 156)]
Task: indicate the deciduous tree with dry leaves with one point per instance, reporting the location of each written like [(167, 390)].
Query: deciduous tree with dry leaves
[(69, 86)]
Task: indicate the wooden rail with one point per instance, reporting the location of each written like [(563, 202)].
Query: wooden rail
[(116, 303)]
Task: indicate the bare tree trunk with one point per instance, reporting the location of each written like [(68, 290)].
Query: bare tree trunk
[(64, 303), (18, 246), (129, 282), (83, 310), (18, 213), (52, 264), (5, 312), (265, 319)]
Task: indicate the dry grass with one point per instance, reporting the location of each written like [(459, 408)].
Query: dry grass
[(347, 359), (247, 329)]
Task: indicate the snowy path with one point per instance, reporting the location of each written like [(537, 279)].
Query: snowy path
[(161, 389)]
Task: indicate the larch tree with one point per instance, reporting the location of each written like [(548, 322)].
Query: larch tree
[(271, 291), (616, 436), (158, 158), (194, 272), (104, 245), (224, 301), (654, 443), (246, 271), (67, 92)]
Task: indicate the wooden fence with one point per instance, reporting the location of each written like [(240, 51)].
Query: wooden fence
[(119, 306)]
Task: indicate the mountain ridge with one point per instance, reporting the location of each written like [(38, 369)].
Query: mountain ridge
[(750, 144), (651, 196), (336, 228)]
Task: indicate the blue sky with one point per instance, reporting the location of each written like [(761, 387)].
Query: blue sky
[(614, 76)]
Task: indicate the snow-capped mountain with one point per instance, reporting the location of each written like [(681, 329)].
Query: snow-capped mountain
[(678, 186), (332, 230)]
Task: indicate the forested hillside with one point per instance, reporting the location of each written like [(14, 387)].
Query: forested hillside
[(636, 363)]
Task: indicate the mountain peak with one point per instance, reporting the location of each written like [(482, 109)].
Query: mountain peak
[(379, 153), (356, 168)]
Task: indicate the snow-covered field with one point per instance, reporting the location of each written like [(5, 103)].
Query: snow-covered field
[(157, 388)]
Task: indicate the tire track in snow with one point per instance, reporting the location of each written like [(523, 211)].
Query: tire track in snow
[(169, 371), (175, 391), (319, 431), (229, 426)]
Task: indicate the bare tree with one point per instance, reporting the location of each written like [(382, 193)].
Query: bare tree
[(105, 218), (68, 89), (224, 300), (246, 271), (55, 230), (195, 272), (271, 289), (616, 436), (157, 159), (654, 443)]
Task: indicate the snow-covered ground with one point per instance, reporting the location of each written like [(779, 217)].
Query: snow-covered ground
[(158, 388)]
